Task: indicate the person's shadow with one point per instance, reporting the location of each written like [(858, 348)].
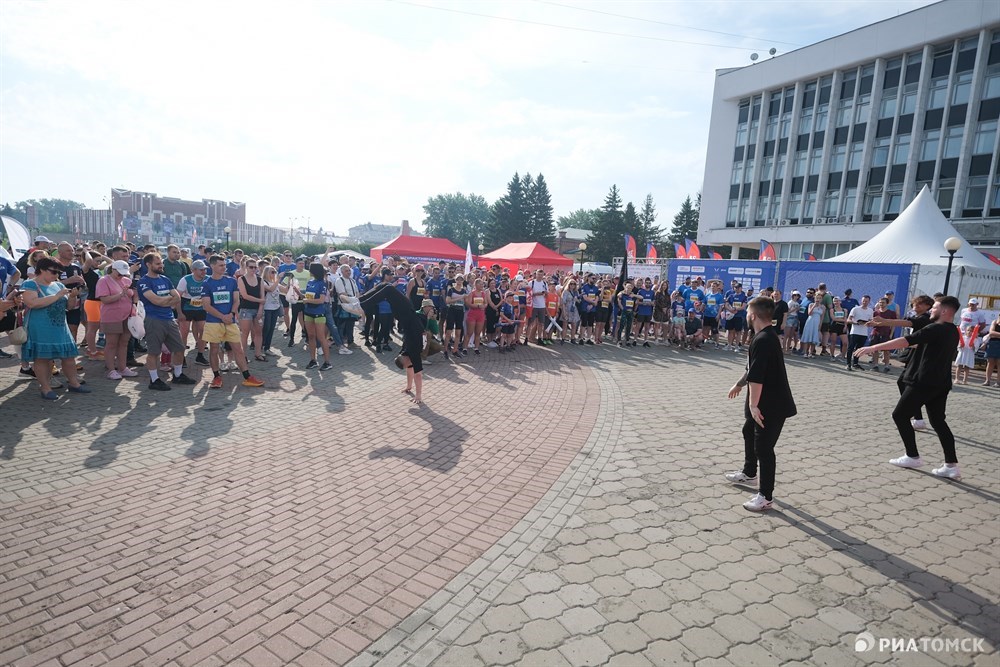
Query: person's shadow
[(444, 444)]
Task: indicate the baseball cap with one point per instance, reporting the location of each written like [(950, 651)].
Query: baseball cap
[(42, 239), (198, 264), (890, 293), (121, 267), (973, 301)]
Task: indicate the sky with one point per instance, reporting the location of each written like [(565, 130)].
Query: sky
[(340, 113)]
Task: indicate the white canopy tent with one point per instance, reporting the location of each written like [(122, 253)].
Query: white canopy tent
[(917, 236)]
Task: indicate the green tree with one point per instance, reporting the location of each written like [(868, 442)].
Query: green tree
[(461, 218), (509, 219), (631, 221), (647, 231), (582, 218), (50, 213), (685, 224), (542, 229), (607, 238)]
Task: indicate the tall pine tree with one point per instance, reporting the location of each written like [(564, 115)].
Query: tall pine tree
[(509, 219), (607, 238), (647, 230), (542, 226), (685, 224)]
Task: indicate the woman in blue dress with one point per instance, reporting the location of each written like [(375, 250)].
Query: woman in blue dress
[(810, 334), (48, 335)]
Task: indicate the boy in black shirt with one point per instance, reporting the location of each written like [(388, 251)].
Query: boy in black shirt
[(921, 317), (927, 381), (769, 403)]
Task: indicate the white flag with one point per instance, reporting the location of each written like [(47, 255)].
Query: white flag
[(468, 257)]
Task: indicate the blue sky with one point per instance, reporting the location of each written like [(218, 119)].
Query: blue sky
[(350, 112)]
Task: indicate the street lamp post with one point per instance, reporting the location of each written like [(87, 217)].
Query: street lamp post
[(227, 230), (951, 246), (583, 249)]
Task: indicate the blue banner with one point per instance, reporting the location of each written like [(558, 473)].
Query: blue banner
[(871, 279), (753, 275)]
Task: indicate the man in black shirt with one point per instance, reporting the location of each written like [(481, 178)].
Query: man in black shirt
[(927, 381), (921, 318), (769, 403)]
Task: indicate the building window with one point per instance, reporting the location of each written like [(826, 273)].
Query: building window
[(731, 211), (960, 91), (863, 109), (779, 167), (754, 125), (857, 150), (894, 198), (806, 120), (991, 87), (986, 135), (748, 171), (837, 155), (810, 206), (850, 200), (741, 134), (880, 152), (902, 152), (816, 161), (887, 107), (953, 142), (786, 124), (995, 199), (929, 147), (744, 205), (908, 103), (761, 208), (830, 202), (822, 115), (939, 93), (772, 128), (873, 202), (775, 207), (975, 195), (844, 109), (765, 168), (946, 195), (794, 203), (799, 164), (737, 177)]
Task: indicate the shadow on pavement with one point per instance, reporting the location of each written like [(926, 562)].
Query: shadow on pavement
[(444, 443)]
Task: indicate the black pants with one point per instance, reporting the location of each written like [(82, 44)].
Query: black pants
[(758, 446), (936, 402), (371, 319), (346, 327), (383, 328), (854, 341), (918, 413), (297, 308)]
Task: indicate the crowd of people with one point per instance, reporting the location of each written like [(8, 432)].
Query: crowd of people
[(226, 308)]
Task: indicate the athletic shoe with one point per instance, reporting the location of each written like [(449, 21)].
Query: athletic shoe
[(8, 355), (343, 350), (758, 503), (492, 345), (850, 368), (129, 373), (476, 352), (183, 379), (326, 366), (201, 360), (737, 477), (590, 342), (28, 372), (291, 342), (113, 375), (216, 382), (887, 369), (50, 395), (907, 462), (253, 382), (646, 344), (311, 365), (159, 385), (82, 389), (948, 472), (918, 424), (445, 353)]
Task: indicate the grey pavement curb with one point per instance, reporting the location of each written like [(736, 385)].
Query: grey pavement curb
[(421, 638)]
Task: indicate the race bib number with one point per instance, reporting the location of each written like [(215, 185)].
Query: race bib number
[(477, 301), (309, 295), (222, 297), (196, 302), (738, 306), (420, 291), (163, 292)]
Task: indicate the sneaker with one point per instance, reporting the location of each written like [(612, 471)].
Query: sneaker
[(918, 424), (590, 342), (907, 462), (645, 343), (444, 352), (216, 382), (311, 365), (50, 395), (183, 379), (850, 368), (113, 375), (8, 355), (737, 477), (326, 366), (887, 369), (476, 352), (344, 350), (129, 373), (81, 389), (291, 342), (492, 345), (253, 382), (159, 385), (201, 360), (758, 503), (27, 372), (387, 348), (948, 472)]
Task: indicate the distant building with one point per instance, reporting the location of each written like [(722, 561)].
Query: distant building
[(568, 241), (378, 234)]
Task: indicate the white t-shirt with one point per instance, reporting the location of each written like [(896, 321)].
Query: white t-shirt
[(538, 300), (971, 318), (859, 313)]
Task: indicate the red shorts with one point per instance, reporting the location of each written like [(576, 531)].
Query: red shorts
[(475, 315)]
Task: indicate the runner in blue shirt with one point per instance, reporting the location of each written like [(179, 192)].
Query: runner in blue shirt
[(590, 294), (736, 304), (220, 299), (644, 310), (158, 296), (714, 303)]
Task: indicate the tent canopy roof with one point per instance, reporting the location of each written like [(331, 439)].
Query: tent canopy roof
[(419, 246), (526, 253), (917, 236)]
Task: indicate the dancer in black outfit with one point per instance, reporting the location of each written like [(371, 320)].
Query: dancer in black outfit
[(413, 325)]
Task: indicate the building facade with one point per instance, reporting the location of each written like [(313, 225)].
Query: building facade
[(377, 234), (818, 150)]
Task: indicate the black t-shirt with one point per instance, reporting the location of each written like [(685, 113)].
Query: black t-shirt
[(766, 367), (918, 322), (780, 308), (930, 364)]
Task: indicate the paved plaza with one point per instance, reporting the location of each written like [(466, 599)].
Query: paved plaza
[(555, 506)]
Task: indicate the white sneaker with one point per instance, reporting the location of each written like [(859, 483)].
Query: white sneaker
[(113, 375), (492, 345), (344, 350), (918, 424), (758, 503), (129, 373), (737, 477), (949, 472), (907, 462)]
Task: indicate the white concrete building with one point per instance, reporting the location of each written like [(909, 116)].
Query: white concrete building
[(818, 149)]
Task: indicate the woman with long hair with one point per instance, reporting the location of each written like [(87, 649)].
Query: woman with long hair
[(314, 315), (252, 308), (272, 308), (476, 301)]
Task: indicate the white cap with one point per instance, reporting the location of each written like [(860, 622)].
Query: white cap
[(121, 267), (42, 239), (973, 301)]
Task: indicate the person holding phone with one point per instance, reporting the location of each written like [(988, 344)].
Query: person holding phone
[(857, 321)]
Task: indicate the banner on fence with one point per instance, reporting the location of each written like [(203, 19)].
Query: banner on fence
[(754, 275), (871, 279)]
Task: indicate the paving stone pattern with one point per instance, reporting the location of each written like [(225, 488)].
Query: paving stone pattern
[(557, 506)]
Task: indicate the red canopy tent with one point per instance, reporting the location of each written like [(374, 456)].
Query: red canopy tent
[(419, 249), (526, 256)]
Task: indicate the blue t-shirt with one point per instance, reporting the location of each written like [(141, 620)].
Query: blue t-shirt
[(712, 304), (739, 302), (231, 268), (646, 304), (694, 296), (684, 290), (401, 283), (589, 290), (435, 286), (507, 310), (160, 286), (199, 256), (221, 292), (848, 303), (315, 288), (7, 269), (284, 268), (678, 309)]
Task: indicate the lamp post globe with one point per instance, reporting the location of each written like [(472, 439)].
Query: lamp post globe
[(227, 230), (951, 246), (583, 249)]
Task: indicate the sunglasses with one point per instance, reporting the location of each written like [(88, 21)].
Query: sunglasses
[(52, 271)]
